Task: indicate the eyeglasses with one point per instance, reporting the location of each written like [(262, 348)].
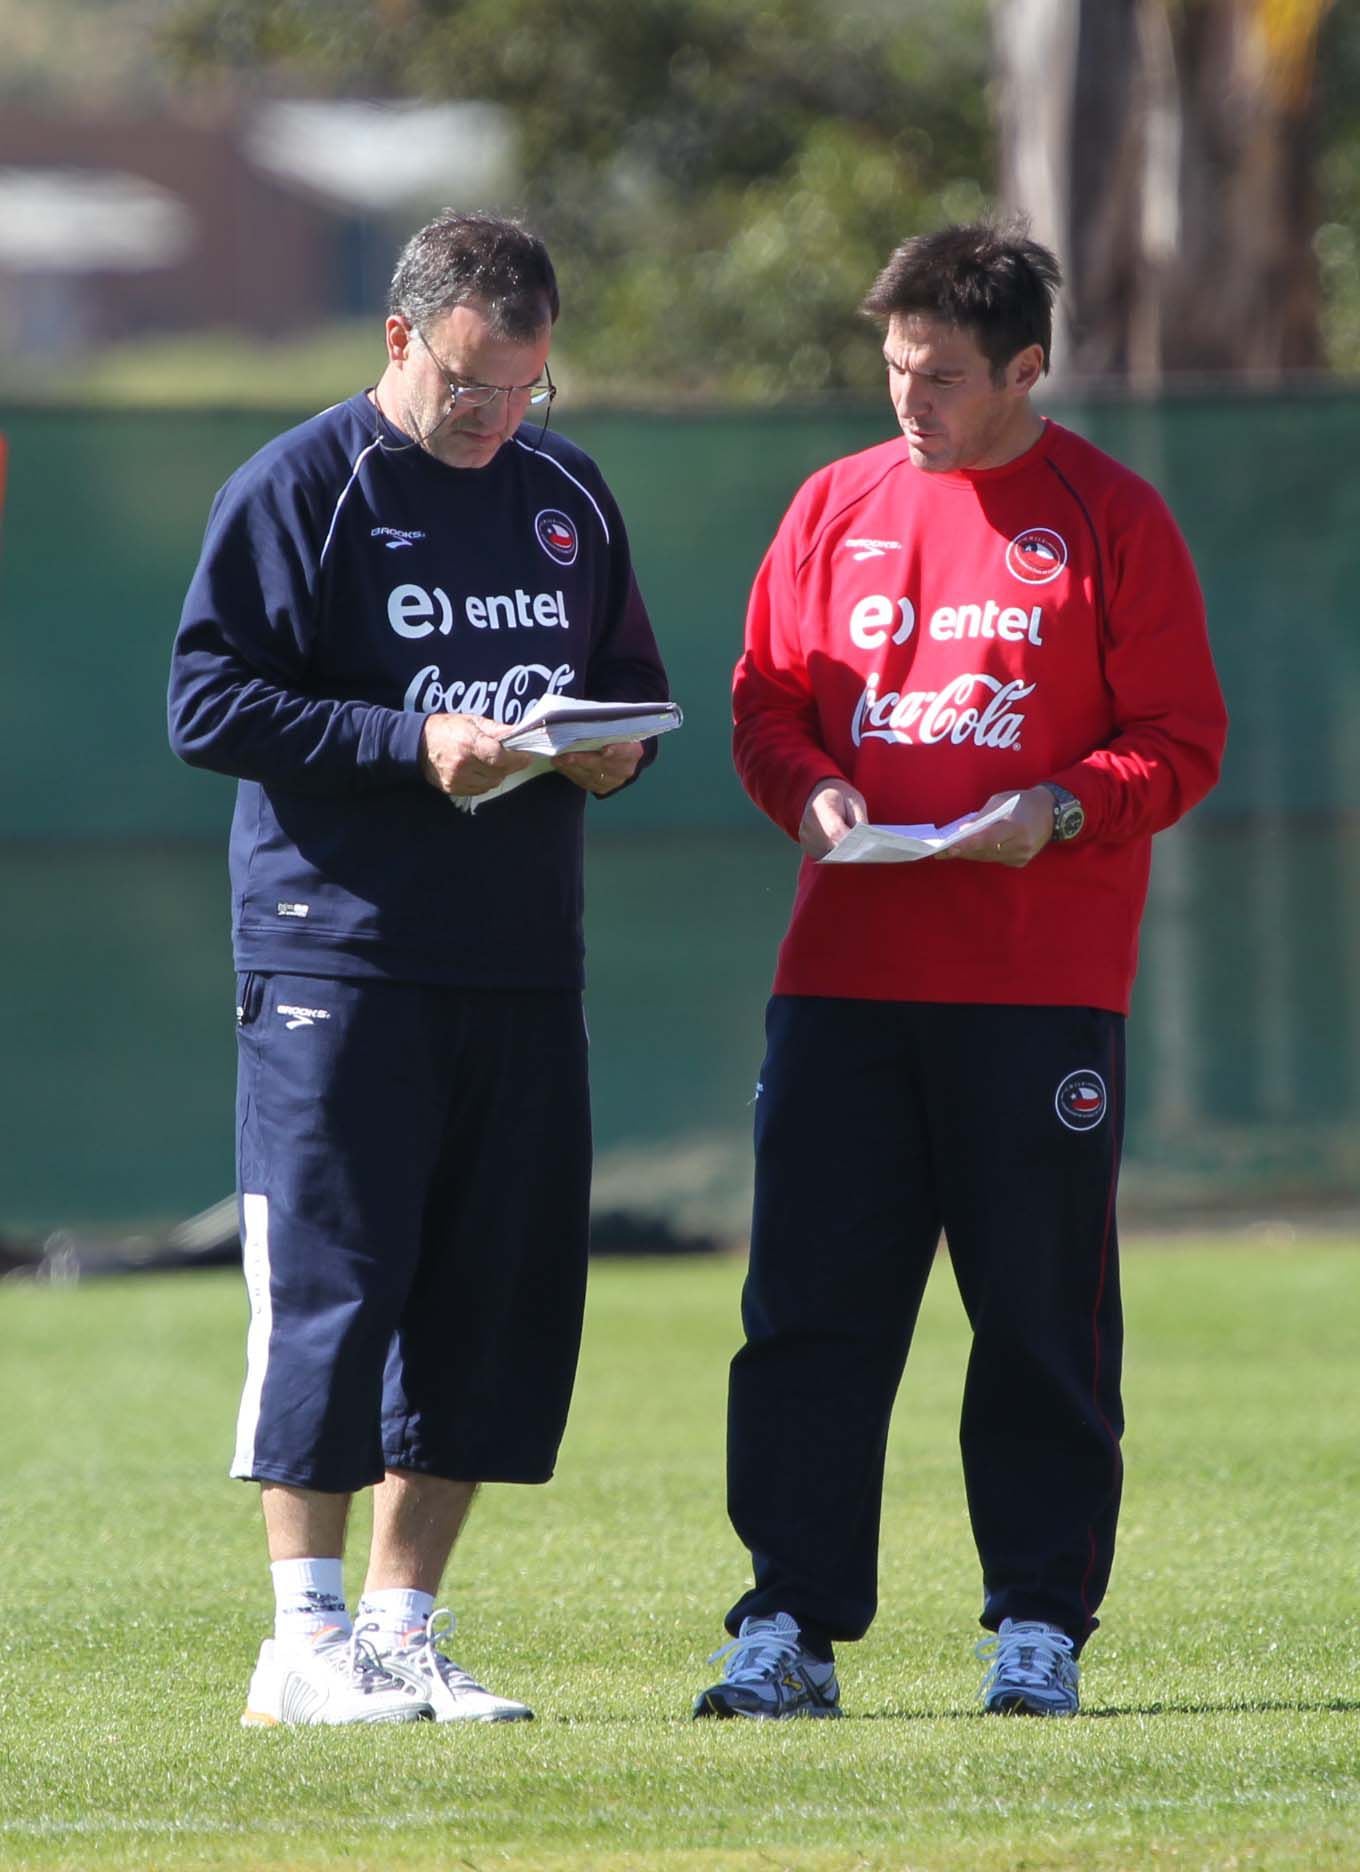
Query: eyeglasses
[(464, 395)]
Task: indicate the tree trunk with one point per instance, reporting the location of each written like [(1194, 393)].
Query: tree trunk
[(1165, 149)]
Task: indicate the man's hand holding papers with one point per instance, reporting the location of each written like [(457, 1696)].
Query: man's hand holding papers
[(903, 844), (597, 745), (601, 770), (560, 724)]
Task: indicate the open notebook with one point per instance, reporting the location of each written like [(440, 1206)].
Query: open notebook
[(569, 724)]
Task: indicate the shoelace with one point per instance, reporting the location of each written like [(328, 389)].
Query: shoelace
[(366, 1668), (761, 1655), (439, 1626), (1033, 1655)]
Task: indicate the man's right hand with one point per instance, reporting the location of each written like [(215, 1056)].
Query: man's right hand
[(833, 807), (462, 755)]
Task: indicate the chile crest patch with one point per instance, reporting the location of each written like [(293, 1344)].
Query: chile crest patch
[(557, 535), (1081, 1100), (1036, 555)]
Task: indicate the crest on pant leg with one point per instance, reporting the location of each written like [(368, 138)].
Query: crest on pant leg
[(1081, 1100)]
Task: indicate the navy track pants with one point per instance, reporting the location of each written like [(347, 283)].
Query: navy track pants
[(879, 1124)]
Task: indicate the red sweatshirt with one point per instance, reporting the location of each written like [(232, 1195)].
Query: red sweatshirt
[(937, 638)]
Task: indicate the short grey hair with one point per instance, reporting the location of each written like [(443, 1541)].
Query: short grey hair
[(465, 259)]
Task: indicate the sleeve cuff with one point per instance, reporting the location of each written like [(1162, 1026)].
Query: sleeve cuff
[(394, 742)]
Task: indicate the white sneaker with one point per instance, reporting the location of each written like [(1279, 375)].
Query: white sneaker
[(1033, 1671), (768, 1675), (332, 1678), (450, 1692)]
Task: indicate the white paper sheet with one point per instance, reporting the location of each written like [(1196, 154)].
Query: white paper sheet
[(903, 844)]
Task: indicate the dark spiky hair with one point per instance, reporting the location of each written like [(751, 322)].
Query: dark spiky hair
[(990, 280)]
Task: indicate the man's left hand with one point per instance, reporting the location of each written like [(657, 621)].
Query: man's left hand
[(601, 770), (1014, 840)]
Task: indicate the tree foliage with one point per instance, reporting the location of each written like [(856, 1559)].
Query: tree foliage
[(719, 180), (1337, 132)]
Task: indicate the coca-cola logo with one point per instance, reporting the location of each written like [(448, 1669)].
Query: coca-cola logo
[(504, 698), (973, 707)]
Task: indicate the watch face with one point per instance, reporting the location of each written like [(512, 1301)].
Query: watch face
[(1069, 815), (1068, 819)]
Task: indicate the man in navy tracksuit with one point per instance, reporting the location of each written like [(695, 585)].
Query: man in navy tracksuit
[(382, 593)]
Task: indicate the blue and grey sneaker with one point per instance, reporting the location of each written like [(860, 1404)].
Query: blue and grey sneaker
[(1033, 1671), (768, 1675)]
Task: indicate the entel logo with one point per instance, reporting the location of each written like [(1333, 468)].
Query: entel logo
[(411, 611), (1008, 622), (872, 618)]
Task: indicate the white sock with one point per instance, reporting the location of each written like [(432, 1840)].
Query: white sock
[(397, 1611), (309, 1597)]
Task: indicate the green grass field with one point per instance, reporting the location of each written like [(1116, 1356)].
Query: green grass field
[(1221, 1725)]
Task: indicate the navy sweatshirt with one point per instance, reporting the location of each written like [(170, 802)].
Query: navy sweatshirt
[(350, 584)]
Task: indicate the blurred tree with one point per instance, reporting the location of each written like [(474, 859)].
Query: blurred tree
[(81, 54), (719, 179), (1338, 133), (1169, 150)]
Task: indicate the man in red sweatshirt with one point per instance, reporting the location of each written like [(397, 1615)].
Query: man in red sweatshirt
[(984, 616)]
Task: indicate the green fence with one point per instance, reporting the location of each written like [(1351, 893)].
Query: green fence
[(117, 1001)]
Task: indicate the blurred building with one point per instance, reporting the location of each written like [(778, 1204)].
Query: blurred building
[(120, 227)]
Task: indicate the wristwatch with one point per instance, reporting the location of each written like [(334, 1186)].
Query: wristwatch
[(1069, 815)]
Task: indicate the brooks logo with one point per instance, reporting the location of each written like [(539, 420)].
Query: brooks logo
[(301, 1016)]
